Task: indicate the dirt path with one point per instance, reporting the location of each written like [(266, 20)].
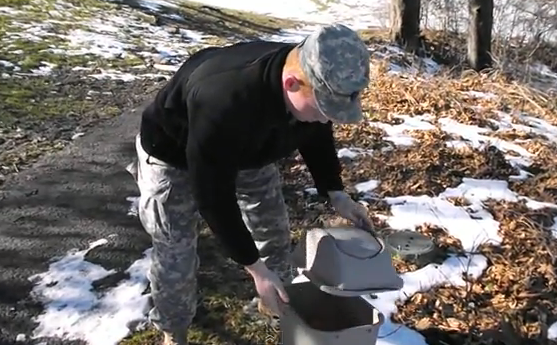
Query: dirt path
[(65, 201)]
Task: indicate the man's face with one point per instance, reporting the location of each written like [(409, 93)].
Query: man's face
[(307, 109), (302, 101)]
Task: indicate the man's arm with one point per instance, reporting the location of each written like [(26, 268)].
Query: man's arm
[(319, 153), (212, 166)]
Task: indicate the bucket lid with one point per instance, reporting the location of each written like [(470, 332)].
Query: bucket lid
[(408, 242), (346, 261)]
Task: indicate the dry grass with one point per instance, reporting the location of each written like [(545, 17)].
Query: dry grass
[(430, 166), (449, 48), (445, 95)]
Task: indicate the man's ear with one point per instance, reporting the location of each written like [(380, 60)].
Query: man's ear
[(290, 83)]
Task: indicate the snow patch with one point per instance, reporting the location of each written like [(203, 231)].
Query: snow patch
[(74, 311), (399, 134), (352, 152), (368, 186), (552, 332)]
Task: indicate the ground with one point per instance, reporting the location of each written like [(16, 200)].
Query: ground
[(426, 153), (105, 59)]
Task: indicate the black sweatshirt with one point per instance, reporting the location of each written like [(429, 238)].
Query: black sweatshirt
[(224, 111)]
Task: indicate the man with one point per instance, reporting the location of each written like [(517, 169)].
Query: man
[(207, 148)]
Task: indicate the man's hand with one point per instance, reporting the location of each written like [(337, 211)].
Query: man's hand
[(268, 286), (350, 209)]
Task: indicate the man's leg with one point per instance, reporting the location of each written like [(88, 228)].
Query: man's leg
[(169, 214), (266, 216)]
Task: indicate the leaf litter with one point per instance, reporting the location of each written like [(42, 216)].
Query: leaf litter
[(514, 300), (511, 303)]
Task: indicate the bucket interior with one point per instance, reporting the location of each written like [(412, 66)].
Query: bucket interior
[(326, 312)]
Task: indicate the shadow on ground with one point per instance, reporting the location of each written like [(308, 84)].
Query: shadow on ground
[(503, 335), (223, 23), (65, 204)]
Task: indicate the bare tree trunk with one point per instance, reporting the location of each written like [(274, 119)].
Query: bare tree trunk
[(405, 23), (479, 34)]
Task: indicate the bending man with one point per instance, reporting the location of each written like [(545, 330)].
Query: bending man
[(207, 148)]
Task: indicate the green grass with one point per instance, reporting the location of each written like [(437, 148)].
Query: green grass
[(31, 100), (33, 53), (30, 53), (14, 3), (323, 4), (28, 99)]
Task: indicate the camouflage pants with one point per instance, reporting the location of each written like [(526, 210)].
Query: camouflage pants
[(168, 213)]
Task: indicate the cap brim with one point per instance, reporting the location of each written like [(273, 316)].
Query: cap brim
[(339, 109)]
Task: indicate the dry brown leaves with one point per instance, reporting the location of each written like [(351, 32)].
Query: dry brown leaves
[(513, 135), (361, 136), (449, 95), (426, 168), (442, 239), (543, 185), (514, 300)]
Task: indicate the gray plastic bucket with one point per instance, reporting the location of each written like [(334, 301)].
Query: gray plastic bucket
[(314, 317), (346, 261)]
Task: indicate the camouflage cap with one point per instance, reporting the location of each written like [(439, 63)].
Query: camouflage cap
[(336, 62)]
